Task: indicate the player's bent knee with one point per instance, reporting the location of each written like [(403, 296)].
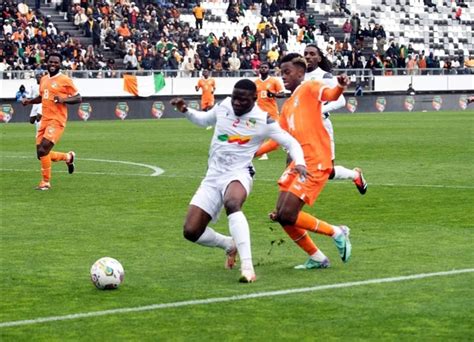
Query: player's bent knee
[(191, 234), (232, 206), (286, 217)]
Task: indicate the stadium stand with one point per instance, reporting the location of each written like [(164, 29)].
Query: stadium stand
[(380, 35)]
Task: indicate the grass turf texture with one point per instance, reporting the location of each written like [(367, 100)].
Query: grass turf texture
[(415, 218)]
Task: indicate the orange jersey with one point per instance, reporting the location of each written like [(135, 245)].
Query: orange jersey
[(268, 104), (208, 86), (301, 117), (58, 85)]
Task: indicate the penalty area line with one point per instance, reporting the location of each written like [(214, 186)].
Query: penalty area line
[(232, 298)]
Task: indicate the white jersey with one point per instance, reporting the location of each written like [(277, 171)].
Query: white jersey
[(237, 138), (327, 78), (33, 92)]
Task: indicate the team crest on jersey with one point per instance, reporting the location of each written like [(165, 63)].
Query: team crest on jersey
[(463, 102), (157, 109), (351, 104), (6, 112), (194, 105), (251, 123), (409, 103), (84, 111), (380, 103), (437, 102), (121, 110)]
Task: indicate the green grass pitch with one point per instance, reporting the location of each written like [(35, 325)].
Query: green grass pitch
[(416, 218)]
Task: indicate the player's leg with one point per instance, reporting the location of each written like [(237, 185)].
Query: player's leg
[(204, 207), (288, 207), (339, 171), (234, 197), (43, 149)]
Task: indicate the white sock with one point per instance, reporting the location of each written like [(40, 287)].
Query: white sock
[(239, 229), (337, 231), (211, 238), (340, 172), (318, 256)]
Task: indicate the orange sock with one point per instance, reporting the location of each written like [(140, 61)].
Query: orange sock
[(309, 222), (301, 238), (46, 168), (58, 156)]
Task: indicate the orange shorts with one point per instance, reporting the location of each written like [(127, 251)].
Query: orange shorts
[(307, 189), (207, 103), (51, 130)]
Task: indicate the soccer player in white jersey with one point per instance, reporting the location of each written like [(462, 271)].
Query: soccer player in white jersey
[(319, 68), (240, 128), (36, 109)]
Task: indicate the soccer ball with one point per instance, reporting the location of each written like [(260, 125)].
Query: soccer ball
[(107, 273)]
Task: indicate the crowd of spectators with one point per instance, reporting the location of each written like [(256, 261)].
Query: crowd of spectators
[(149, 35)]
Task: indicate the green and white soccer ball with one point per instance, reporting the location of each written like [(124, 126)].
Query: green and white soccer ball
[(107, 273)]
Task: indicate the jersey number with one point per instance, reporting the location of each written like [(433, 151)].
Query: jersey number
[(263, 94)]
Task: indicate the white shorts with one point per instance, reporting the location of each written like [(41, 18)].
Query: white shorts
[(328, 125), (36, 109), (210, 194)]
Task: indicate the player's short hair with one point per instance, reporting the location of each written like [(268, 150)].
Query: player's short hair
[(55, 54), (246, 84), (295, 59), (265, 63)]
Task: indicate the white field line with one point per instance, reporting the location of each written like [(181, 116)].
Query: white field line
[(159, 172), (231, 298), (156, 170), (168, 175)]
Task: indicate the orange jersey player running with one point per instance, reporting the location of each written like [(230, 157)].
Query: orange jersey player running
[(55, 92), (301, 117), (268, 88), (208, 87)]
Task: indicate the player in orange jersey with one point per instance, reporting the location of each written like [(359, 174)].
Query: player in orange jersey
[(208, 87), (56, 91), (301, 117), (267, 89)]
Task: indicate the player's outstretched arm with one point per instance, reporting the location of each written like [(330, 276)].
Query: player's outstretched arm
[(199, 118), (332, 94), (282, 137)]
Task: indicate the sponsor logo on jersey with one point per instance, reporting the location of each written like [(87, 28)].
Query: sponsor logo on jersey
[(437, 102), (157, 109), (121, 110), (380, 103), (6, 112), (238, 139), (84, 111), (463, 102), (351, 104), (409, 103)]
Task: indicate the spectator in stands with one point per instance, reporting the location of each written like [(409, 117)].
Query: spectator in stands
[(422, 64), (429, 3), (347, 29), (458, 14), (198, 12), (447, 66), (130, 60), (234, 64), (232, 12), (343, 6), (355, 22), (302, 21), (123, 30), (311, 21), (21, 94), (283, 29)]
